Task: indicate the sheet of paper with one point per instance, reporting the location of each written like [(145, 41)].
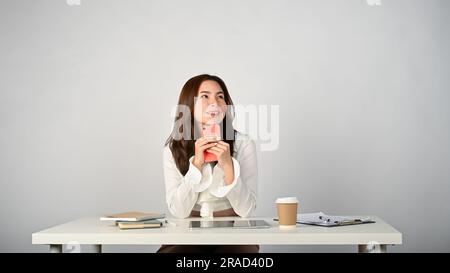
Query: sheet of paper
[(321, 217)]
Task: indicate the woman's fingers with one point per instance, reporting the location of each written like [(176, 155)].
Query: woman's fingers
[(224, 143), (207, 146), (211, 145), (222, 146), (202, 141), (213, 152), (215, 148)]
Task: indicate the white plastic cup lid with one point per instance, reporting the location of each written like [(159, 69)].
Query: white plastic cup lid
[(284, 200)]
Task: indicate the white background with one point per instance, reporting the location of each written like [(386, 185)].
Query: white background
[(86, 94)]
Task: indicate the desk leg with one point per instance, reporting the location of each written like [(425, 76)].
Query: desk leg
[(372, 248), (55, 248), (98, 248)]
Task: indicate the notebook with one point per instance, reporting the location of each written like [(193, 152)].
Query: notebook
[(132, 216), (322, 219), (141, 224)]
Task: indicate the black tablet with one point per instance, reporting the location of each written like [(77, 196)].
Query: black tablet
[(229, 224)]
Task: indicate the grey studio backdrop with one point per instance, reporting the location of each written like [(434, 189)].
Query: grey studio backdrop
[(86, 94)]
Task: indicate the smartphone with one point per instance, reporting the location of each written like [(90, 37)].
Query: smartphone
[(211, 131)]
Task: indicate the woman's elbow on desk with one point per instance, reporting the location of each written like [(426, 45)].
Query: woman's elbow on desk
[(179, 213), (248, 212)]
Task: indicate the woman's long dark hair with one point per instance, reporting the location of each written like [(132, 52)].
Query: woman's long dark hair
[(181, 142)]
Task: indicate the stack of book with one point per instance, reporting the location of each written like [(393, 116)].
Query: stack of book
[(135, 219)]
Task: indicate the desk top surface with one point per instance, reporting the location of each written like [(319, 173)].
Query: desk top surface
[(94, 231)]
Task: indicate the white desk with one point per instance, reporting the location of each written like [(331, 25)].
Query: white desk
[(91, 231)]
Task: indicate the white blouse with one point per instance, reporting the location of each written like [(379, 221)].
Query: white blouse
[(206, 191)]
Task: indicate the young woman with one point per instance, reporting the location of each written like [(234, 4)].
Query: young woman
[(225, 187)]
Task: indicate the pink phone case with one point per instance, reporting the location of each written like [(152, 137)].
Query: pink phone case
[(212, 130)]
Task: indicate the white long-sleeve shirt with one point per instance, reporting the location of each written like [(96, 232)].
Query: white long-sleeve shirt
[(196, 189)]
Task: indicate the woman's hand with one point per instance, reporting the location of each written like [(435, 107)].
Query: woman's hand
[(201, 145), (222, 151)]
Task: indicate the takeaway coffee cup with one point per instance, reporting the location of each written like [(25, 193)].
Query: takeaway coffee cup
[(287, 211)]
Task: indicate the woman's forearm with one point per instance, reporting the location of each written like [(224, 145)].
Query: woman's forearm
[(229, 173)]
